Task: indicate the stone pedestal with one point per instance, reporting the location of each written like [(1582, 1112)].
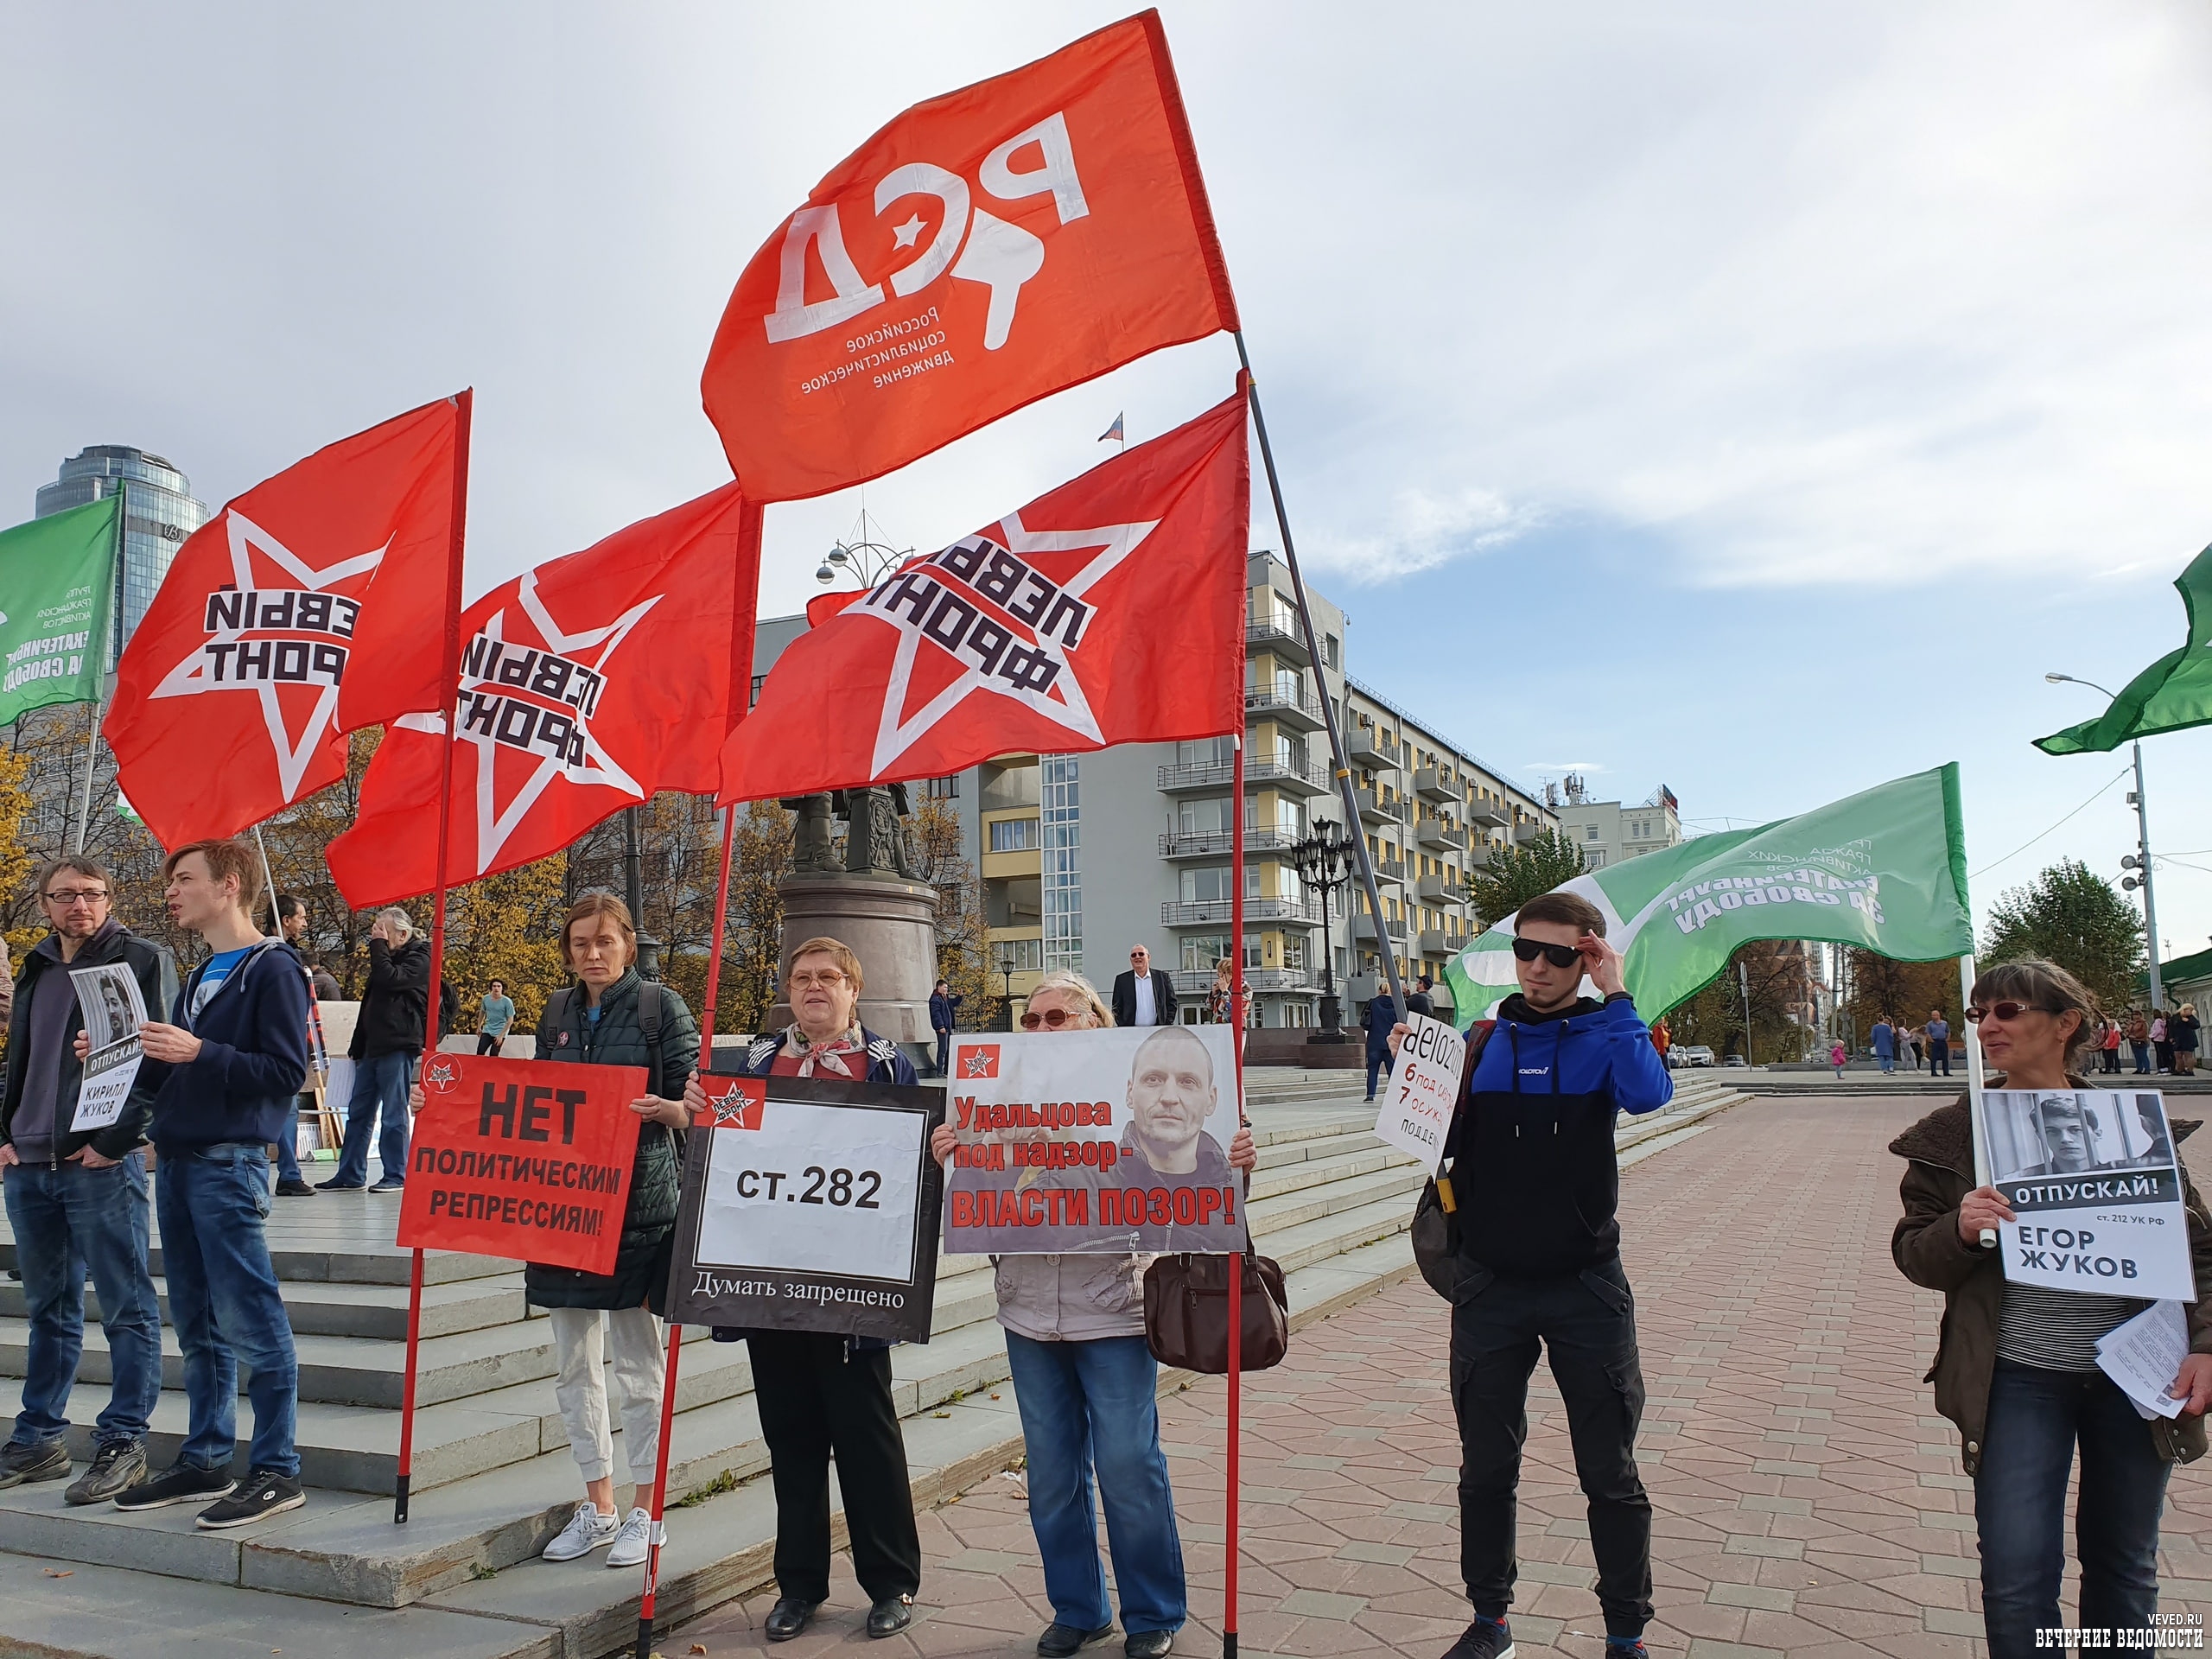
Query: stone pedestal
[(890, 924)]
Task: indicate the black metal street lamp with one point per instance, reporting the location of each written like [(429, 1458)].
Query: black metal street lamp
[(1323, 859), (1006, 967)]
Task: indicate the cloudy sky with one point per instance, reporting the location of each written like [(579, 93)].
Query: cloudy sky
[(1753, 399)]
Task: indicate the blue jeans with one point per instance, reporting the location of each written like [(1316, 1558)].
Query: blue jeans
[(226, 1306), (287, 1145), (2142, 1059), (1378, 1059), (2035, 1418), (379, 1088), (67, 1220), (1889, 1063), (1086, 1404), (944, 1053)]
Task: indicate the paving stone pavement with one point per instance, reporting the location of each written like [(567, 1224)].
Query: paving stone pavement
[(1808, 1499)]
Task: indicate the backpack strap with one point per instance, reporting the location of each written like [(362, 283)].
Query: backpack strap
[(652, 1011), (554, 1015)]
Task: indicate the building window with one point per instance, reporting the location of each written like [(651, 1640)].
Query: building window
[(1595, 861), (1014, 835), (1207, 752), (1329, 650), (938, 789), (1023, 956), (759, 680), (1591, 834), (1062, 861)]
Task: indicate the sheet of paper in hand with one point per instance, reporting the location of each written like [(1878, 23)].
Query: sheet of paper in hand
[(1424, 1090), (808, 1206), (2091, 1175), (1091, 1142), (113, 1011)]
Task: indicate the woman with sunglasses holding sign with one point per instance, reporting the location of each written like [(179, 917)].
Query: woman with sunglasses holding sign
[(1087, 1386), (818, 1391), (2017, 1366)]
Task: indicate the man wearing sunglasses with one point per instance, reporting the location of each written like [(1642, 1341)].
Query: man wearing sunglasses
[(1531, 1152)]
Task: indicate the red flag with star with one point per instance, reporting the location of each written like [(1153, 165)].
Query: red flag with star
[(984, 249), (1110, 611), (310, 606), (585, 684)]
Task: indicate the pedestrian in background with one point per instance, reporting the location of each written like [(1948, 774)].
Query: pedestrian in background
[(1939, 1044), (2110, 1047), (1224, 990), (2138, 1039), (78, 1202), (1885, 1037), (388, 1038), (2162, 1042), (2016, 1365), (1087, 1386), (1143, 996), (944, 1008), (1837, 1057), (2181, 1031), (1381, 1020), (496, 1010)]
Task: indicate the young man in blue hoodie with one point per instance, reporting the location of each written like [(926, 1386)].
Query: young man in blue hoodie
[(225, 1075), (1532, 1147)]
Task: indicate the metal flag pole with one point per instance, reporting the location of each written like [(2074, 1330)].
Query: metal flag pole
[(449, 666), (740, 686), (1343, 767), (99, 678), (1974, 1086)]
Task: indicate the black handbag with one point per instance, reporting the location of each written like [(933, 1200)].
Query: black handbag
[(1435, 1229)]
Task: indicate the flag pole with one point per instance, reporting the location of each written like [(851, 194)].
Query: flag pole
[(99, 674), (740, 687), (449, 667), (1383, 942), (1975, 1086), (1236, 1260)]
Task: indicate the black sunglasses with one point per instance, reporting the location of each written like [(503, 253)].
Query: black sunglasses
[(1559, 955), (2007, 1011), (1053, 1017)]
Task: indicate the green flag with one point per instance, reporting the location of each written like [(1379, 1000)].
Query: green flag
[(1885, 870), (2173, 693), (56, 577)]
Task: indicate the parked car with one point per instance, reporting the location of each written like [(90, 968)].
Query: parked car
[(1689, 1054), (1735, 1059)]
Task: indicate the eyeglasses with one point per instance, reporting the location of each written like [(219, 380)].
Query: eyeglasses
[(1559, 955), (1053, 1017), (1139, 955), (2007, 1011), (68, 896), (828, 977)]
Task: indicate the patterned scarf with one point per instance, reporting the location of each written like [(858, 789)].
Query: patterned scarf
[(830, 1055)]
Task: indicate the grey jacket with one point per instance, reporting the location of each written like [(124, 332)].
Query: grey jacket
[(1072, 1298)]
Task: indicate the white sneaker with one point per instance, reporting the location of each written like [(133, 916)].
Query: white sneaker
[(633, 1543), (587, 1528)]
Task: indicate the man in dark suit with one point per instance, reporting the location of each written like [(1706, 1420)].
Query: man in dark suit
[(1142, 997)]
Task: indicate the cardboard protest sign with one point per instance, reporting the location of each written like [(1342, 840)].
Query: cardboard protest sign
[(113, 1010), (1424, 1090), (526, 1159), (808, 1206), (1094, 1141), (2091, 1175)]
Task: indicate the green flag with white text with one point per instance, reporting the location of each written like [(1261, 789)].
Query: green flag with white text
[(56, 577), (1885, 870), (2173, 693)]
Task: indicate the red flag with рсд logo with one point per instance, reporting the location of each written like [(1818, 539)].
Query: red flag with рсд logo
[(986, 248), (1110, 611), (585, 684), (312, 606)]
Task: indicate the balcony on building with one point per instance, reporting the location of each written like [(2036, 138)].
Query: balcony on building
[(1366, 746), (1439, 835), (1429, 784), (1362, 929), (1196, 774), (1285, 771), (1285, 699), (1193, 984), (1527, 830), (1441, 890), (1214, 912), (1483, 816), (1216, 843), (1273, 626), (1434, 942), (1477, 856), (1388, 867), (1373, 809)]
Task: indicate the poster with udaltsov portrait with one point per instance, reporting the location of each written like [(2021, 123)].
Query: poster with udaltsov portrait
[(108, 998), (1080, 1142), (2096, 1189)]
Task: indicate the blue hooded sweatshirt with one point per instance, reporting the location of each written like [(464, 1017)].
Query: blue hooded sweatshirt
[(252, 1060), (1534, 1170)]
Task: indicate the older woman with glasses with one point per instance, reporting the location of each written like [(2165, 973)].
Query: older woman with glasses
[(818, 1392), (2016, 1368), (1087, 1386)]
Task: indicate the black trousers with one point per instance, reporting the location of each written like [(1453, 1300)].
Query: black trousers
[(813, 1401), (1588, 1322)]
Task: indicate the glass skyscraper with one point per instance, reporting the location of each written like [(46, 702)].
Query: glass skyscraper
[(159, 511)]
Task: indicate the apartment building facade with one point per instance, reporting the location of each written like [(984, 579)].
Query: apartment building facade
[(1083, 856), (1609, 831)]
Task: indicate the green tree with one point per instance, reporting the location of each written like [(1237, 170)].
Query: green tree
[(1515, 874), (755, 919), (1904, 990), (506, 927), (2071, 917)]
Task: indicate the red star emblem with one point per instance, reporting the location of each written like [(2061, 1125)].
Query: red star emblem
[(981, 1061), (439, 1076), (739, 1103)]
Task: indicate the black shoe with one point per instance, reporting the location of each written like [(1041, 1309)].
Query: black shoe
[(180, 1483), (789, 1616), (388, 1185), (22, 1464), (294, 1190), (259, 1495), (1059, 1640), (116, 1466), (335, 1185), (1486, 1638), (1149, 1644), (890, 1615)]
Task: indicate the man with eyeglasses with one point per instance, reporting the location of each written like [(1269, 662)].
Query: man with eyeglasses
[(79, 1202), (1141, 996), (1530, 1153)]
